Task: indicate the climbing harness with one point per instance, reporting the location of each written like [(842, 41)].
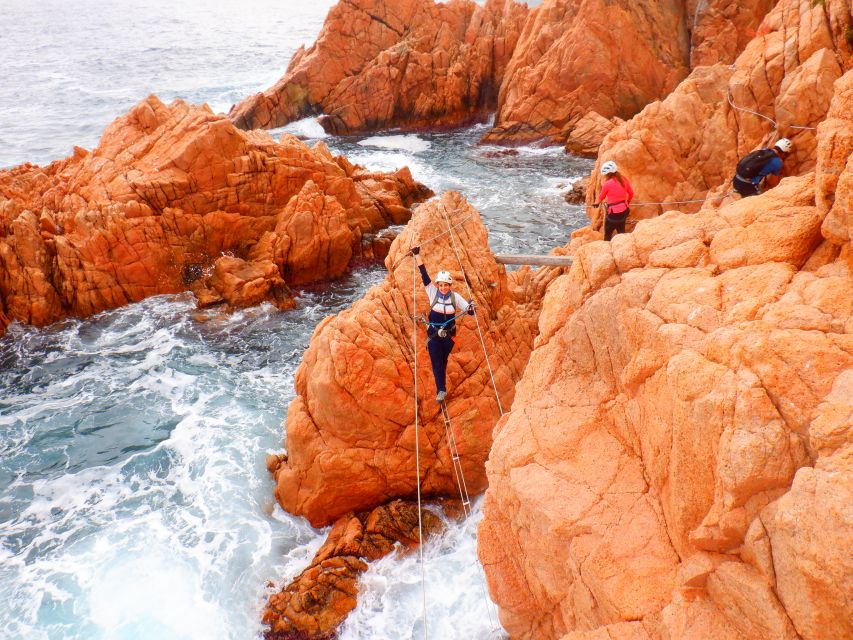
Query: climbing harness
[(442, 330)]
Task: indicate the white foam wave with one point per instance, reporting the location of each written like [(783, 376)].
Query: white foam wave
[(411, 143), (527, 150), (390, 600), (305, 128), (390, 161)]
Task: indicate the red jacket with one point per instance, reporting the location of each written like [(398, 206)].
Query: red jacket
[(615, 195)]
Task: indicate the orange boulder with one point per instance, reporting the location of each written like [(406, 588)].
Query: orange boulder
[(351, 428), (588, 133), (318, 600)]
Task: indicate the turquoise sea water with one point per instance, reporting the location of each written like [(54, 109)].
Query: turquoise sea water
[(134, 501)]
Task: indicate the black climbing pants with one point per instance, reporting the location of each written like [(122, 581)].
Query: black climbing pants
[(745, 189), (439, 351), (615, 222)]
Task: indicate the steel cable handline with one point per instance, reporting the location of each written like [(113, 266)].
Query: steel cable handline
[(456, 458), (761, 115), (465, 498), (418, 441), (642, 204), (463, 487)]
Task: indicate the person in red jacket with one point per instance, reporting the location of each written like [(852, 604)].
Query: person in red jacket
[(616, 194)]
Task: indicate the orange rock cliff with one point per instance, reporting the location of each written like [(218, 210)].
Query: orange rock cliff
[(678, 460), (686, 146), (177, 198)]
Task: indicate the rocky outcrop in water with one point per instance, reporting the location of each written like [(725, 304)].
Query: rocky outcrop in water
[(351, 428), (551, 72), (176, 198), (687, 146), (588, 133), (379, 64), (318, 600), (678, 461)]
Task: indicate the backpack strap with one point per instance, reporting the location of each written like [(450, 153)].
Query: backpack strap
[(438, 295)]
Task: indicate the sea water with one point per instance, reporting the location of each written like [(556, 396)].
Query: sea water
[(134, 499)]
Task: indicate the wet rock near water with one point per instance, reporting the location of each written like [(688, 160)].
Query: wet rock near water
[(577, 193), (318, 600), (500, 153)]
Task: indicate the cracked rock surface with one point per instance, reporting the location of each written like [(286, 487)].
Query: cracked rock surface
[(687, 146)]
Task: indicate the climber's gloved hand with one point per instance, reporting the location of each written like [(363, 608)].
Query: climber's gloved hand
[(416, 250), (471, 308)]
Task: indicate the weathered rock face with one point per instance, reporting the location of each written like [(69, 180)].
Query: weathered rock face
[(575, 57), (678, 461), (786, 74), (588, 134), (834, 192), (351, 428), (318, 600), (721, 29), (409, 63), (166, 195)]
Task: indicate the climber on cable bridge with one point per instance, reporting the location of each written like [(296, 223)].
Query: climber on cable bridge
[(441, 325), (762, 164)]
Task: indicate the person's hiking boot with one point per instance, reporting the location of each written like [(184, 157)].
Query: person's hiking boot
[(440, 396)]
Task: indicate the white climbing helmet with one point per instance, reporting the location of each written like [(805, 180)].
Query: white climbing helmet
[(610, 167), (444, 276), (784, 145)]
